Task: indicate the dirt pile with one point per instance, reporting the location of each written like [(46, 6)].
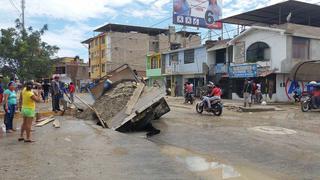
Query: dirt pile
[(112, 102)]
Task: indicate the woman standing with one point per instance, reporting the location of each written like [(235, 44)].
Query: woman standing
[(10, 104), (28, 103)]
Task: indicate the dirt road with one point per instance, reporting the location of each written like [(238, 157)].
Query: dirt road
[(190, 146)]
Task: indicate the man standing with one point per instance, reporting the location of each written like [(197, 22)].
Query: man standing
[(56, 93), (247, 90)]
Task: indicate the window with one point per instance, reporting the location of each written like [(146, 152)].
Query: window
[(96, 42), (155, 62), (103, 68), (300, 48), (173, 59), (221, 57), (103, 53), (258, 51), (189, 56), (60, 70), (103, 40)]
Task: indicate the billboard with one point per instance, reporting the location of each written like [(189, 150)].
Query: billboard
[(198, 13)]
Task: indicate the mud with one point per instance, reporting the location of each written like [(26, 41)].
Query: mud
[(111, 103)]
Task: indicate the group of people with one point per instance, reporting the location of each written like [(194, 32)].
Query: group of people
[(251, 92), (58, 90), (25, 102)]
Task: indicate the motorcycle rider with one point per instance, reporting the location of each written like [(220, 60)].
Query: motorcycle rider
[(215, 94), (188, 90)]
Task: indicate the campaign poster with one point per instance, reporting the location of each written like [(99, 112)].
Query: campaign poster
[(198, 13)]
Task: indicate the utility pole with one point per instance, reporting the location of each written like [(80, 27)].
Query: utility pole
[(22, 9)]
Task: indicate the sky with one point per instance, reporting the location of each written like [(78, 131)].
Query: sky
[(72, 21)]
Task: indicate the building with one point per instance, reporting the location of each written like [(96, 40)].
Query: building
[(185, 65), (72, 69), (154, 70), (268, 50), (124, 44)]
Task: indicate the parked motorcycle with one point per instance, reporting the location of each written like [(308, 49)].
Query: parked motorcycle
[(216, 107), (189, 97), (307, 105)]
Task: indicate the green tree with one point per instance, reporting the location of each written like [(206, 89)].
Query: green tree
[(24, 54)]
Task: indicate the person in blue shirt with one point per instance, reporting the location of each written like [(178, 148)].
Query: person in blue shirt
[(10, 104), (181, 7)]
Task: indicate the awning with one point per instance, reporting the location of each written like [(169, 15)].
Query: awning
[(306, 71)]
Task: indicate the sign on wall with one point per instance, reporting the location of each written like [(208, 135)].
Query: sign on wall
[(243, 71), (198, 13), (220, 68)]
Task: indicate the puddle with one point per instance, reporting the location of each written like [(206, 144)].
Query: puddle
[(205, 167), (273, 130)]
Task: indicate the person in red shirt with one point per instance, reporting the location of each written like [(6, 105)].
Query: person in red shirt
[(215, 94), (72, 90)]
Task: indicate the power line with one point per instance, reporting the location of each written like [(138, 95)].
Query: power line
[(15, 6)]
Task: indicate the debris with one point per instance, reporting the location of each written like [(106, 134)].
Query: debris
[(56, 123), (134, 98), (45, 118), (103, 123), (126, 104), (45, 122)]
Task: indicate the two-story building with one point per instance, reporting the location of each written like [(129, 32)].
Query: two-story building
[(185, 65)]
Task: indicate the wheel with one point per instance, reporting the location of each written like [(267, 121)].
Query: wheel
[(191, 101), (199, 108), (305, 107), (218, 110)]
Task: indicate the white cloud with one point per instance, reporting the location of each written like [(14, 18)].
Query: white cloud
[(69, 39)]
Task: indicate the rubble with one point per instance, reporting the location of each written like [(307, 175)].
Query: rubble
[(126, 104), (110, 103)]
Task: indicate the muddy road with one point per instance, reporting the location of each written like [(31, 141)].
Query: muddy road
[(266, 145)]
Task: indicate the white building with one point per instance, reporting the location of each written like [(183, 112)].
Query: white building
[(269, 49)]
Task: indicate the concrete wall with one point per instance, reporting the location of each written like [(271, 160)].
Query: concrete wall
[(315, 49), (129, 48)]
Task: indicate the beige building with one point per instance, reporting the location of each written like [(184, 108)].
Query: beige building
[(123, 44), (71, 69)]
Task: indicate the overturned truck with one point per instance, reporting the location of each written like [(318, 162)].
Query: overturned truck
[(123, 102)]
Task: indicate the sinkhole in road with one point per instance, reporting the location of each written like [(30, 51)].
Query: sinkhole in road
[(273, 130)]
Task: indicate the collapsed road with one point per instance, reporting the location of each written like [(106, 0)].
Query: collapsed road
[(123, 103)]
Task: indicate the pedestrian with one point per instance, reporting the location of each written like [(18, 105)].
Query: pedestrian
[(176, 89), (258, 93), (72, 90), (56, 93), (46, 89), (253, 93), (1, 89), (10, 105), (247, 90), (27, 103)]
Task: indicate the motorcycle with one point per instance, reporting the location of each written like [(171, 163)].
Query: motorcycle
[(307, 104), (189, 97), (216, 107)]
